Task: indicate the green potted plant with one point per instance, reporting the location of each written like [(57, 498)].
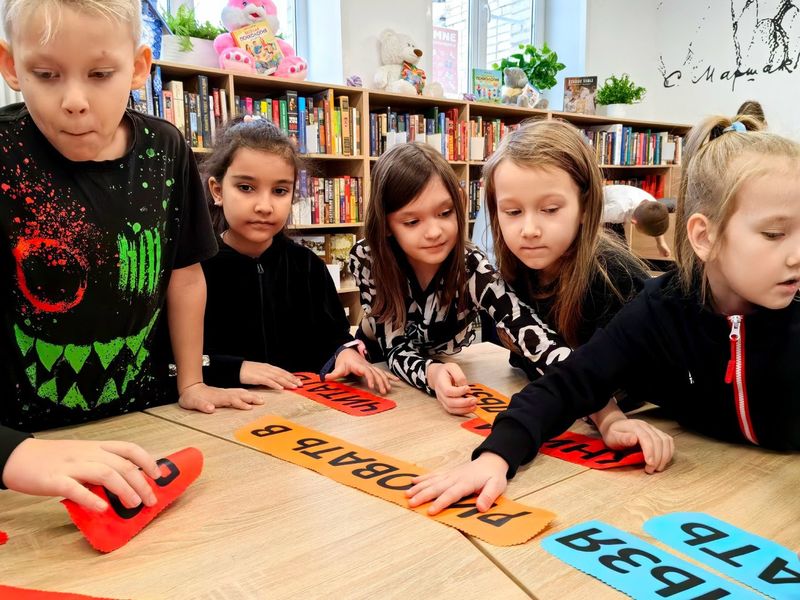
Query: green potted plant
[(540, 65), (616, 93), (191, 42)]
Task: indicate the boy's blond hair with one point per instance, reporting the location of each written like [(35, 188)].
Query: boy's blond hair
[(718, 161), (16, 13)]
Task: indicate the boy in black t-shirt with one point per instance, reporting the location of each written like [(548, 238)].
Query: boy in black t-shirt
[(103, 226)]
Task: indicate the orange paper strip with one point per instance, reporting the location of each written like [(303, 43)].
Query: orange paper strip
[(333, 394), (6, 591), (507, 523), (490, 402)]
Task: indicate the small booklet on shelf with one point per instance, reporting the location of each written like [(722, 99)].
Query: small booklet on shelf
[(486, 85), (259, 40), (579, 93)]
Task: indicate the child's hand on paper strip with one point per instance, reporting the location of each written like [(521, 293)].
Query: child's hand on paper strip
[(352, 362), (62, 467), (449, 383), (258, 373), (486, 476)]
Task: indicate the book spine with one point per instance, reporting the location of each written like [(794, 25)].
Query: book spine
[(203, 110), (302, 116), (292, 117)]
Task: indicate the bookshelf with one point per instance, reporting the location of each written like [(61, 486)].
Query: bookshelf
[(461, 114)]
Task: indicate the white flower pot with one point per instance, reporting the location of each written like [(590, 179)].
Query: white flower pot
[(614, 111), (202, 53)]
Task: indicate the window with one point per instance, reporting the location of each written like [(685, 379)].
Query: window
[(211, 10), (474, 34)]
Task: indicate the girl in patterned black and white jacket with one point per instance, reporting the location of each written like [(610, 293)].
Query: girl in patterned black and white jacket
[(432, 282)]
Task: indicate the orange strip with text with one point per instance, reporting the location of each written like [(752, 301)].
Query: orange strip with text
[(507, 523)]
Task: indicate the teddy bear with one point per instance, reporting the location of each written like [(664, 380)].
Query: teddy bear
[(399, 72), (240, 13), (517, 90)]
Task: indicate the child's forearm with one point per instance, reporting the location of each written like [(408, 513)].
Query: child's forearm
[(606, 416), (186, 303)]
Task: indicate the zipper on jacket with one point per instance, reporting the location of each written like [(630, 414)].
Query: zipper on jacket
[(735, 375), (260, 270)]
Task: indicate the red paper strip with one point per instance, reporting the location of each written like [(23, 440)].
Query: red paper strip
[(3, 537), (590, 452), (333, 394), (16, 593), (114, 527), (478, 426)]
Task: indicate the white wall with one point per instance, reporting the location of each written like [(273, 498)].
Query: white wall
[(652, 38), (362, 22), (564, 30)]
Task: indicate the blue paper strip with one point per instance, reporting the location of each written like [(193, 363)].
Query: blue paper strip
[(636, 568), (758, 562)]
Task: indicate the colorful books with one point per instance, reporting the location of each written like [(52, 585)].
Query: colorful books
[(259, 40), (579, 93), (486, 85)]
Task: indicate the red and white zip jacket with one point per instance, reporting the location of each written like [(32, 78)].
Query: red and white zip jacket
[(735, 378)]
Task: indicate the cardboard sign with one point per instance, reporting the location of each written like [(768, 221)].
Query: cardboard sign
[(590, 452), (6, 591), (490, 402), (506, 523), (114, 527), (755, 561), (636, 568), (3, 537), (333, 394), (479, 426)]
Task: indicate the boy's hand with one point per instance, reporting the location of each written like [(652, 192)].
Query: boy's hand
[(352, 362), (258, 373), (61, 467), (204, 398), (449, 383), (657, 446), (486, 474)]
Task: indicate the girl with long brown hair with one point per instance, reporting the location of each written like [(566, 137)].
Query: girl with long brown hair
[(422, 284)]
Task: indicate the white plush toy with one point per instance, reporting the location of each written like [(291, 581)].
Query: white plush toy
[(399, 73)]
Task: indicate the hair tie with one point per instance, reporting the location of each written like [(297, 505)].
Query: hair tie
[(736, 126)]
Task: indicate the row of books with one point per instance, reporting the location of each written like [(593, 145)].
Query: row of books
[(618, 144), (652, 184), (485, 136), (319, 124), (475, 196), (197, 114), (330, 200), (334, 250), (441, 129)]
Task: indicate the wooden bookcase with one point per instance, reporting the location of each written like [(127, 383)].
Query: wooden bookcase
[(367, 101)]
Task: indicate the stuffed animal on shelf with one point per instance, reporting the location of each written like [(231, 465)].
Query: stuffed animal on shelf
[(514, 82), (399, 72), (240, 13)]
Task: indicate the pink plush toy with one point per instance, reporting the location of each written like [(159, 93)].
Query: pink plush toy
[(240, 13)]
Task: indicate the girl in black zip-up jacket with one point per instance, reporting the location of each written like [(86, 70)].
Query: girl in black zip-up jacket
[(716, 343), (272, 308)]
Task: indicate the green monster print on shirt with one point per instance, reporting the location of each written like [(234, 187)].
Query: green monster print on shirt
[(51, 365)]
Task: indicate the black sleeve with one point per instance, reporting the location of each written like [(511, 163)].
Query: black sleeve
[(334, 328), (223, 370), (579, 386), (9, 440), (195, 240)]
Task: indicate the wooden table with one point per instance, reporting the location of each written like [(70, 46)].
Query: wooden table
[(255, 526)]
